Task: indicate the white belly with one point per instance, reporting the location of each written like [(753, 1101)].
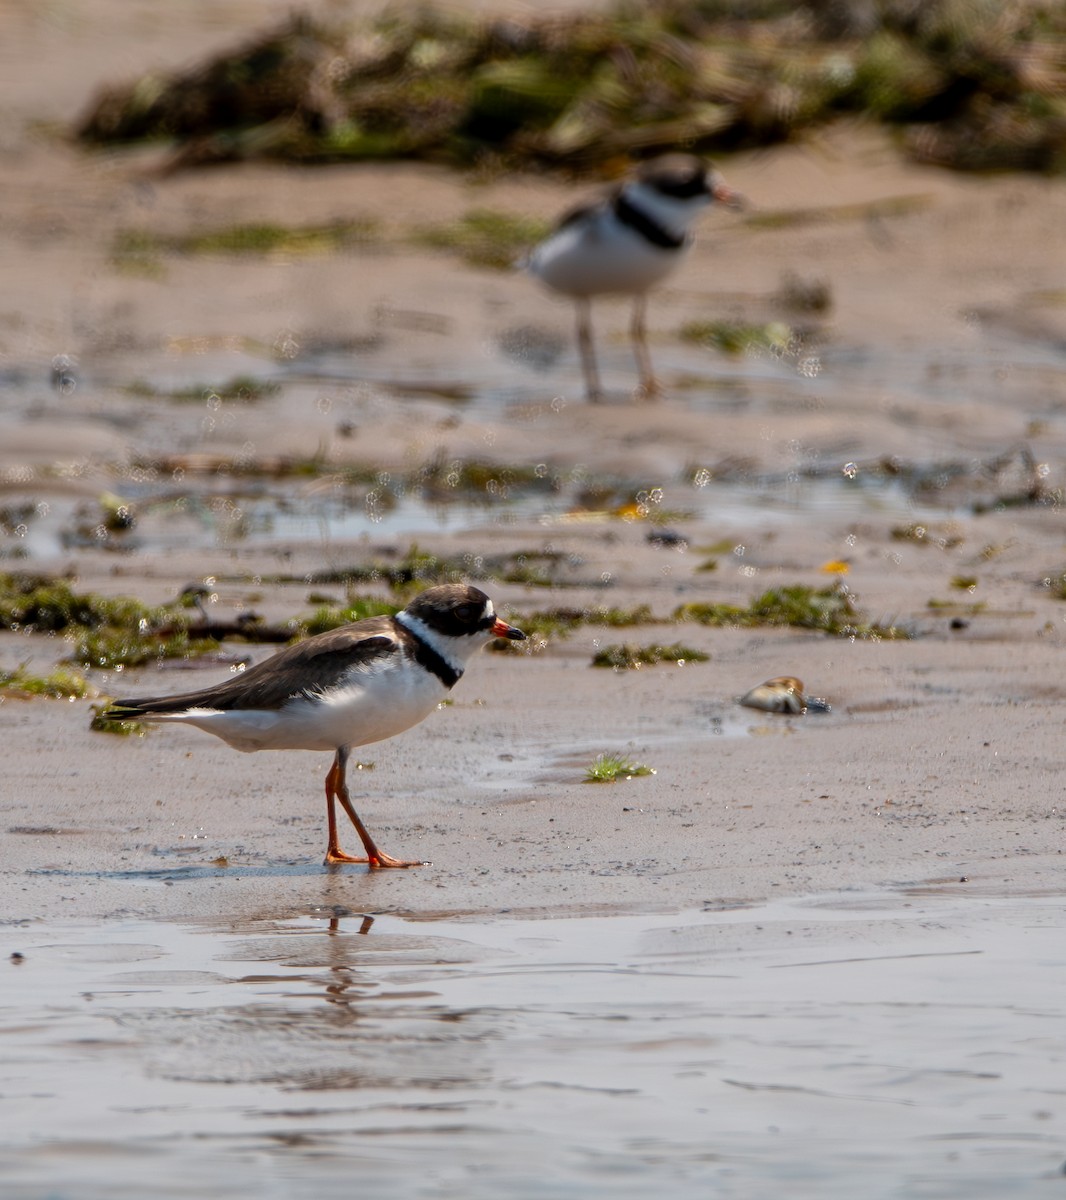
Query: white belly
[(367, 707), (587, 259)]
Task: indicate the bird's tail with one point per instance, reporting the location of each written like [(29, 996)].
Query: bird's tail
[(146, 709)]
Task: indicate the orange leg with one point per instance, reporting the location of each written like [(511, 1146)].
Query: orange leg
[(638, 333), (588, 350), (337, 789)]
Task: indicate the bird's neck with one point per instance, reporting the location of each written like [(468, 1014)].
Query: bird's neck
[(431, 650), (640, 212)]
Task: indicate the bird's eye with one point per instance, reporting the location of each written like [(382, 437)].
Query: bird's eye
[(465, 612)]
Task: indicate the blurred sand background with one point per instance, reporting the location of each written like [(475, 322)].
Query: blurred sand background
[(941, 762)]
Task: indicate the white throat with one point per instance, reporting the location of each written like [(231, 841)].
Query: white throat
[(454, 651)]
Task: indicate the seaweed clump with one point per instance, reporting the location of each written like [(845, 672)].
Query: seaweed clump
[(59, 684), (977, 85), (629, 657), (102, 631), (828, 610), (614, 765)]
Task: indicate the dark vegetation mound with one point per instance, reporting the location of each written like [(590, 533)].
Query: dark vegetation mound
[(971, 84)]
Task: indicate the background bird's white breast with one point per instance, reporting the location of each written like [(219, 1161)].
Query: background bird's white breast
[(598, 255)]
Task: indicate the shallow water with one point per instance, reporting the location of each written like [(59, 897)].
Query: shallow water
[(859, 1044), (272, 519), (251, 508)]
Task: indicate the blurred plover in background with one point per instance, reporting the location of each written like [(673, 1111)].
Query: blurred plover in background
[(625, 244)]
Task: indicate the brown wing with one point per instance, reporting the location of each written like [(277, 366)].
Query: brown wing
[(309, 666), (579, 212)]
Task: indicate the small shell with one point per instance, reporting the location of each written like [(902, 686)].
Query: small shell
[(783, 695)]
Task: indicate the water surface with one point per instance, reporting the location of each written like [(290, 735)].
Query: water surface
[(878, 1045)]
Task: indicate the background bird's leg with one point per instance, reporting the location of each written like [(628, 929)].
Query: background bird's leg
[(588, 351), (337, 788), (639, 335)]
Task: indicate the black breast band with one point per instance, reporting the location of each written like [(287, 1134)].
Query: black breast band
[(630, 215), (427, 657)]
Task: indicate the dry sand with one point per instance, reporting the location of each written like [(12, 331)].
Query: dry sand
[(942, 758)]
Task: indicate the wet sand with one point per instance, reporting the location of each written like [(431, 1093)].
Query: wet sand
[(940, 758), (831, 1046), (940, 764)]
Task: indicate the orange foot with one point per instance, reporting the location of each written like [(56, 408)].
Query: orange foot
[(334, 857)]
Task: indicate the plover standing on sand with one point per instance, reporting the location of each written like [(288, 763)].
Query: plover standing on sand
[(340, 689), (625, 244)]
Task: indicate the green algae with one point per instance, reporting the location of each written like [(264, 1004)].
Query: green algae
[(59, 684), (485, 237), (611, 766), (828, 610), (629, 657)]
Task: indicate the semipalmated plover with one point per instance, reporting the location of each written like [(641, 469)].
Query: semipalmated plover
[(626, 243), (340, 689)]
